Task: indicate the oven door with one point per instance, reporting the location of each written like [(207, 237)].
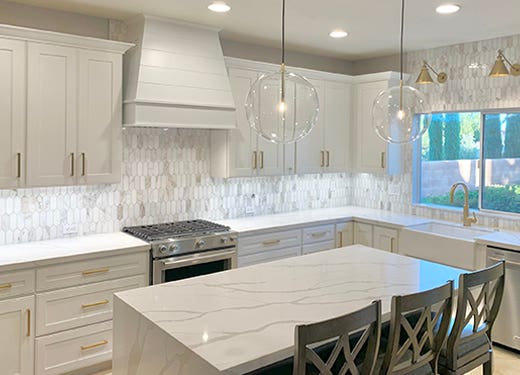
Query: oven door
[(198, 264)]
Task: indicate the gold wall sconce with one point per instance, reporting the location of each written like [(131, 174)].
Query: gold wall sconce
[(426, 78), (500, 68)]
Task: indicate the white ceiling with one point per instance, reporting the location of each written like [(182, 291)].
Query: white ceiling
[(373, 25)]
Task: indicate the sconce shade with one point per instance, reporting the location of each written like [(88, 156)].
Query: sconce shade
[(424, 76), (499, 69)]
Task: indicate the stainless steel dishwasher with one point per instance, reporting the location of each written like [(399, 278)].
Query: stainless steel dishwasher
[(506, 330)]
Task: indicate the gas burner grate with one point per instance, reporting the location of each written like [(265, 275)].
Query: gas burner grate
[(188, 228)]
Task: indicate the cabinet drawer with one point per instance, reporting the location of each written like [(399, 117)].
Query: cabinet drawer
[(319, 246), (268, 256), (91, 271), (16, 283), (320, 233), (75, 349), (269, 241), (74, 307)]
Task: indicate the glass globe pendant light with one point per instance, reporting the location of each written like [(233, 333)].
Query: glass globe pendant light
[(282, 107), (394, 109)]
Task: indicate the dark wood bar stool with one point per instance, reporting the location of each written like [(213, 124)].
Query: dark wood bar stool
[(469, 342), (418, 328)]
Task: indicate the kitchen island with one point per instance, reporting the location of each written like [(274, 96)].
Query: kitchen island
[(243, 319)]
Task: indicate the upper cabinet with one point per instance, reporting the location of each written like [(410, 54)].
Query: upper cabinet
[(327, 147), (242, 153), (62, 108), (12, 112), (372, 154)]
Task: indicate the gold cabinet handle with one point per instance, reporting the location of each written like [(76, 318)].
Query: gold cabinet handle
[(392, 244), (318, 234), (254, 160), (6, 286), (328, 158), (28, 322), (100, 303), (272, 242), (19, 165), (96, 345), (261, 160), (83, 164), (322, 159), (72, 164), (383, 160), (93, 272)]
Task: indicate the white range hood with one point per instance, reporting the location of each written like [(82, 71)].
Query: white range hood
[(175, 76)]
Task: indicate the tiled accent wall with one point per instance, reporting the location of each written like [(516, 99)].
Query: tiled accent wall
[(165, 177), (468, 88)]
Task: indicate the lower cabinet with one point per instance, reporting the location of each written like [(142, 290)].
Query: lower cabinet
[(344, 234), (385, 239), (363, 234), (64, 322), (78, 348), (17, 336), (382, 238), (268, 256)]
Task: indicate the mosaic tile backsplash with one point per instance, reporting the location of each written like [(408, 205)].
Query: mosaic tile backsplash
[(468, 88), (165, 177)]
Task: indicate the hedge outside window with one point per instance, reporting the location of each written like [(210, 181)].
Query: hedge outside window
[(450, 151)]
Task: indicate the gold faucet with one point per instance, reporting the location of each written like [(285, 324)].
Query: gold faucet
[(466, 220)]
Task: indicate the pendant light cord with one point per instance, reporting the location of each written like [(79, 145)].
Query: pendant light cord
[(283, 31), (402, 39)]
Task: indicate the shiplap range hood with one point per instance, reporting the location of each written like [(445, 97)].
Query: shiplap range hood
[(175, 76)]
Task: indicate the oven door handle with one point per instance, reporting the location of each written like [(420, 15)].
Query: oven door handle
[(172, 263)]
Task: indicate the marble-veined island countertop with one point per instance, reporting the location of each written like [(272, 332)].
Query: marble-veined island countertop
[(239, 320)]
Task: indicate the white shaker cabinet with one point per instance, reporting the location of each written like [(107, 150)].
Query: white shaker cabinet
[(51, 115), (372, 154), (61, 110), (385, 239), (241, 152), (17, 336), (363, 234), (12, 112), (344, 234), (99, 131), (326, 148)]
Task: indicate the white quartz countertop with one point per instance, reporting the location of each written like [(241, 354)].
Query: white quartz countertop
[(244, 319), (44, 252), (509, 240), (259, 223)]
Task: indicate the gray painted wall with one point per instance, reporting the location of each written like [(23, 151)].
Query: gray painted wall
[(46, 19), (272, 55)]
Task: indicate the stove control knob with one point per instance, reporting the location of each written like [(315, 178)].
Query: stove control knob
[(163, 249), (200, 243), (224, 240), (174, 248)]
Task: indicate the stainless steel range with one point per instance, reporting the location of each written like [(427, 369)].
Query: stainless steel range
[(185, 249)]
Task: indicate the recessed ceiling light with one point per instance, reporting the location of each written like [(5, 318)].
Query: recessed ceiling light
[(338, 33), (219, 7), (447, 8)]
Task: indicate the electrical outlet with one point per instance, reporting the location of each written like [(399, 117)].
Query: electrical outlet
[(394, 189), (250, 211), (70, 229)]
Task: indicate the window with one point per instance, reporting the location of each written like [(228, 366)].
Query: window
[(450, 151)]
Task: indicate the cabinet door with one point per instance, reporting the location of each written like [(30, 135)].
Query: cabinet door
[(17, 338), (370, 149), (100, 121), (310, 153), (385, 239), (242, 140), (363, 234), (344, 234), (51, 115), (336, 107), (12, 112)]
